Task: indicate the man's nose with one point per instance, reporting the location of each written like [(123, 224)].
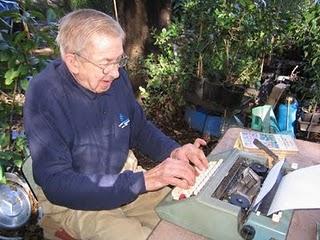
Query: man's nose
[(114, 71)]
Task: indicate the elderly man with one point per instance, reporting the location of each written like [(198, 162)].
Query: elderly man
[(81, 120)]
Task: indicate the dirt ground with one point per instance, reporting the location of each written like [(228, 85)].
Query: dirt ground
[(180, 132)]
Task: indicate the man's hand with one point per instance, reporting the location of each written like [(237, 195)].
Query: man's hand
[(179, 169), (193, 153), (170, 172)]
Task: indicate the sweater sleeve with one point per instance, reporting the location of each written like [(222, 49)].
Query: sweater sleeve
[(52, 164)]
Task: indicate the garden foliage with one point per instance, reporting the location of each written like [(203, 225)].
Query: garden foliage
[(24, 38), (228, 42), (305, 34)]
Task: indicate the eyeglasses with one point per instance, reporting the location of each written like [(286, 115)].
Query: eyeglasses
[(122, 62)]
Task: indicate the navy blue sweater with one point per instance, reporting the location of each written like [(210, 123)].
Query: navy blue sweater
[(79, 140)]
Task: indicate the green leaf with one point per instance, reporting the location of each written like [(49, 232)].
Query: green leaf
[(20, 38), (314, 61), (18, 163), (4, 140), (37, 14), (11, 158), (24, 84), (51, 15), (34, 60), (5, 156), (10, 75), (4, 56), (2, 176), (20, 144), (4, 46), (23, 69)]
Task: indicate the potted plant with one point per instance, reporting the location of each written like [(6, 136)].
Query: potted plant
[(304, 33), (228, 42)]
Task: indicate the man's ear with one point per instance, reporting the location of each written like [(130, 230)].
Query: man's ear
[(71, 62)]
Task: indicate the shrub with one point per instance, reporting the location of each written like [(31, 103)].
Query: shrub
[(26, 43)]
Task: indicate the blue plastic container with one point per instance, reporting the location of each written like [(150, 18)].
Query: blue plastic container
[(202, 122), (195, 119), (286, 117), (213, 126)]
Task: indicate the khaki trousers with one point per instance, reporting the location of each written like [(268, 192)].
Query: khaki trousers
[(133, 221)]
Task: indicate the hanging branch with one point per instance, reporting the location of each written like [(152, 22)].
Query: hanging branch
[(200, 62), (115, 9)]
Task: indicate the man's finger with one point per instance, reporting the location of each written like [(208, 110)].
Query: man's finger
[(199, 142), (198, 159), (178, 182)]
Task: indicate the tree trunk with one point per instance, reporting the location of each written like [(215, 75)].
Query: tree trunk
[(138, 18)]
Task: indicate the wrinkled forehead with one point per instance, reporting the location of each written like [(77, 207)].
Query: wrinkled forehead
[(104, 47)]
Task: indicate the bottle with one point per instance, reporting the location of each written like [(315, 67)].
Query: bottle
[(287, 116)]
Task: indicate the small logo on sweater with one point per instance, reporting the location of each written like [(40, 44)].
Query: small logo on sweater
[(124, 120)]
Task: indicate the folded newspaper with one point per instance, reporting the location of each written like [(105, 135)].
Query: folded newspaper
[(281, 144)]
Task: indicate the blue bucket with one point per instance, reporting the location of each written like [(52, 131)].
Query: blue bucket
[(203, 122), (195, 119), (213, 126)]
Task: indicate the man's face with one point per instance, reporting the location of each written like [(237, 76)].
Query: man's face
[(99, 63)]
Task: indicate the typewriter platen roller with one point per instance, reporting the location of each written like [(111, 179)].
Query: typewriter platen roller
[(222, 207)]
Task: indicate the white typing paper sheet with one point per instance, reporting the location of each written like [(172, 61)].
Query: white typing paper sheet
[(269, 182), (298, 190)]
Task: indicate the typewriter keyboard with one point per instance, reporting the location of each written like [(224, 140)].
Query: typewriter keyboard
[(201, 180)]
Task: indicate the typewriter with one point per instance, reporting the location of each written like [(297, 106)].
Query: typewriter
[(221, 204)]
